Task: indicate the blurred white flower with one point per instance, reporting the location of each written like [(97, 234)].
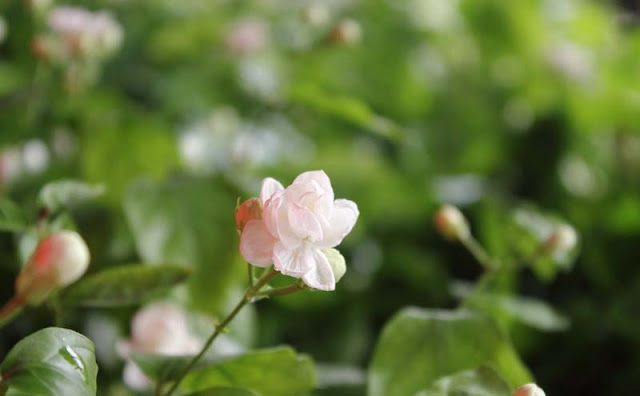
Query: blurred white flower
[(35, 156), (159, 328), (578, 177), (3, 29), (571, 60), (347, 31), (10, 164), (85, 33), (247, 36), (435, 15)]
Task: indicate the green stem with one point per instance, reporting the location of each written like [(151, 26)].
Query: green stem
[(10, 310), (474, 247), (248, 296), (250, 272), (281, 291)]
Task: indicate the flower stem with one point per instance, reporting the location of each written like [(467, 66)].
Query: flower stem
[(249, 294), (10, 310), (474, 247), (280, 291)]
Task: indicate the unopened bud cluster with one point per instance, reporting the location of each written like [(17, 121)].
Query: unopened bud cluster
[(451, 223), (59, 260), (529, 390)]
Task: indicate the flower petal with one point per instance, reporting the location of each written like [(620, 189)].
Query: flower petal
[(318, 177), (269, 187), (304, 223), (293, 262), (276, 219), (256, 244), (343, 218), (321, 277)]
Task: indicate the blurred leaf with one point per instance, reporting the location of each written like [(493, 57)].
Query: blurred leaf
[(269, 372), (418, 346), (224, 391), (345, 108), (62, 194), (11, 217), (163, 367), (483, 381), (125, 285), (51, 362), (189, 223), (530, 311)]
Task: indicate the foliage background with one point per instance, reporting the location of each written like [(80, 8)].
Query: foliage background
[(486, 104)]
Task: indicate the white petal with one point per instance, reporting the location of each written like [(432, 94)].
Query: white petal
[(343, 218), (276, 218), (269, 187), (293, 262), (318, 177), (256, 244), (321, 277), (304, 223), (135, 378)]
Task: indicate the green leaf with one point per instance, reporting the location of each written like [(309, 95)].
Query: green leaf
[(124, 285), (224, 391), (530, 311), (418, 346), (51, 362), (188, 222), (11, 217), (269, 372), (62, 194), (156, 367), (484, 381)]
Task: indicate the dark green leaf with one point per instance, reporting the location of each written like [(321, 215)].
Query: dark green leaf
[(51, 362), (62, 194), (483, 381), (419, 346), (11, 217), (269, 372), (125, 285)]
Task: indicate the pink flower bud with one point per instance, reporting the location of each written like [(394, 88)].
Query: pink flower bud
[(451, 223), (562, 239), (529, 390), (59, 260), (251, 209)]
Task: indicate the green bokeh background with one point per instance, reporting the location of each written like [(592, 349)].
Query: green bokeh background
[(487, 104)]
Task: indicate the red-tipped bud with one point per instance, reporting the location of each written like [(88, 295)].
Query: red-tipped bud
[(59, 260), (562, 239), (451, 223), (529, 390), (251, 209)]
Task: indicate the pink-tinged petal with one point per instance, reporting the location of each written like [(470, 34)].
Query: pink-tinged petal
[(304, 223), (343, 218), (256, 244), (293, 262), (318, 177), (276, 218), (269, 187), (321, 277), (251, 209)]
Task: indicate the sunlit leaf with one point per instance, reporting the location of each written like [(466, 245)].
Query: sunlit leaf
[(51, 362), (270, 372), (483, 381), (418, 346)]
